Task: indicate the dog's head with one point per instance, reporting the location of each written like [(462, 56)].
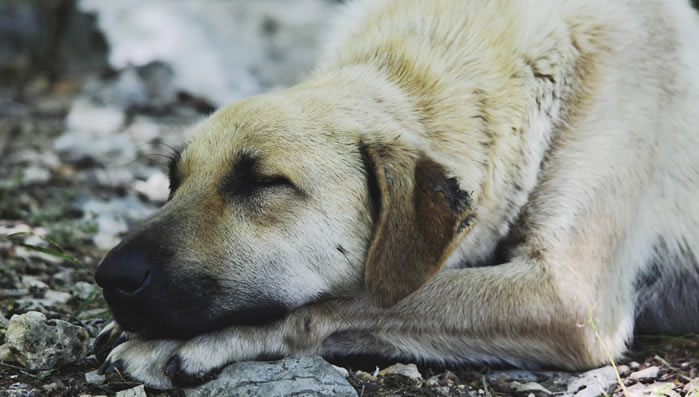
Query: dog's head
[(275, 202)]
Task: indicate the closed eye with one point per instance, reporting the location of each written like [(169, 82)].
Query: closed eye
[(242, 186), (245, 180), (173, 173)]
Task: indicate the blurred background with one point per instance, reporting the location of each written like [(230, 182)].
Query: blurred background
[(93, 93), (93, 96)]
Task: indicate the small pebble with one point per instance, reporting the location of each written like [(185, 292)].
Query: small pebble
[(446, 390), (94, 378), (138, 391), (82, 289), (51, 387), (409, 370), (433, 381), (365, 376), (623, 370), (634, 365)]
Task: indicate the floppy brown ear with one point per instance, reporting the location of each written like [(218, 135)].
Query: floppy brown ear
[(421, 215)]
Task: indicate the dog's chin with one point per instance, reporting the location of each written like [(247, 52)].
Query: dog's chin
[(178, 325)]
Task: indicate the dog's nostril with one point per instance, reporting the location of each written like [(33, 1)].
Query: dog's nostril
[(130, 286)]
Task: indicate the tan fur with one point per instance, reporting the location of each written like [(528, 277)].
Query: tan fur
[(465, 181)]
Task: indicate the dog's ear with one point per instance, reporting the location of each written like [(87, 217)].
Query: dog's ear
[(420, 216)]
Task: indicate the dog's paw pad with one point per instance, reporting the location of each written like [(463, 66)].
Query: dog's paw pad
[(176, 371)]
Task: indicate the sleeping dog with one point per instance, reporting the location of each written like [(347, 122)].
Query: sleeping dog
[(457, 181)]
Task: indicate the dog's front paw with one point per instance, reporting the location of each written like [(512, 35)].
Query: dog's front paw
[(202, 357), (163, 363), (142, 360)]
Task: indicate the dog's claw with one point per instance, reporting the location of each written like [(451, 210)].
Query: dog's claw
[(121, 339), (115, 367), (108, 339), (109, 367)]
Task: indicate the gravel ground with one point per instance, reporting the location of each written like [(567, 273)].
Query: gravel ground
[(82, 161)]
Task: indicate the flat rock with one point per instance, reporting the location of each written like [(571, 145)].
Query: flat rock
[(302, 376), (645, 374), (593, 383), (40, 344)]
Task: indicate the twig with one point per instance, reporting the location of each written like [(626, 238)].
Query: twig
[(20, 369), (667, 364), (485, 385), (609, 356)]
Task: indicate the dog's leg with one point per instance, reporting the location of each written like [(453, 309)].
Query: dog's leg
[(516, 312)]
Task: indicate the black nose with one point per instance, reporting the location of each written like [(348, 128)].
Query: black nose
[(125, 272)]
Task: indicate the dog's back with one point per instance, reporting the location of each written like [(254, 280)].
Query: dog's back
[(614, 133)]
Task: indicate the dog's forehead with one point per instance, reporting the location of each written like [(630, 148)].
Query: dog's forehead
[(272, 132)]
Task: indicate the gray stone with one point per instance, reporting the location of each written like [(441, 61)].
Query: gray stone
[(51, 298), (156, 188), (138, 391), (83, 289), (444, 390), (94, 378), (40, 344), (645, 374), (3, 320), (114, 218), (151, 85), (307, 376), (35, 175), (76, 146), (28, 281), (95, 120), (623, 370)]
